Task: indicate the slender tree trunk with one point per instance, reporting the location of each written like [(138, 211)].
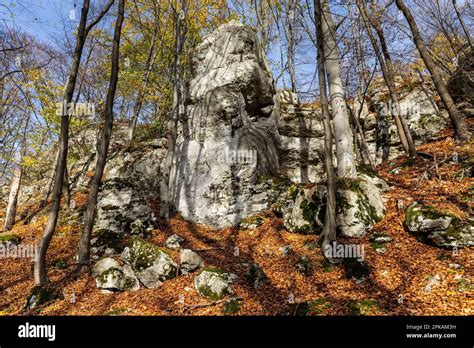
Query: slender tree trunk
[(13, 198), (290, 36), (457, 120), (386, 65), (346, 166), (141, 93), (66, 189), (329, 229), (173, 122), (40, 264), (84, 243), (466, 32), (16, 181)]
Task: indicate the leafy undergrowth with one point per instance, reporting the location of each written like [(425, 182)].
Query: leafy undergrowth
[(396, 284)]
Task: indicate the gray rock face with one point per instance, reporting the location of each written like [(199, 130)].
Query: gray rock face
[(122, 208), (190, 261), (301, 142), (214, 284), (109, 275), (151, 264), (418, 106), (131, 179), (433, 227), (230, 138)]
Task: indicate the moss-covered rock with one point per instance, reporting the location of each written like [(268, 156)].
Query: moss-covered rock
[(151, 264), (434, 227), (232, 306), (214, 283), (110, 275), (363, 307), (360, 204), (307, 209)]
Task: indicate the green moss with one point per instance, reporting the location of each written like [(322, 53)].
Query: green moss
[(214, 270), (116, 312), (114, 272), (206, 291), (231, 306), (363, 307), (349, 184), (464, 284), (10, 238), (376, 246), (366, 212), (319, 306)]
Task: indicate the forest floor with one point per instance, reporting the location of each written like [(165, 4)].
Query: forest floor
[(397, 284)]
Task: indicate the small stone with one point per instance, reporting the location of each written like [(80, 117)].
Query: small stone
[(256, 276), (190, 261), (285, 250), (433, 282), (174, 242)]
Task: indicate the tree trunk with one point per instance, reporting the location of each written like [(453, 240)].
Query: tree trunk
[(389, 77), (84, 243), (141, 93), (13, 198), (290, 37), (460, 128), (329, 229), (346, 166), (173, 122), (40, 262), (466, 32)]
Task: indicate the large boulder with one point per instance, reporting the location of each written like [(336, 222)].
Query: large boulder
[(110, 275), (152, 265), (230, 138), (433, 227), (214, 283), (360, 204)]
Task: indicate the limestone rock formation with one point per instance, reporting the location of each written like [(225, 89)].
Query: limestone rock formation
[(230, 137)]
